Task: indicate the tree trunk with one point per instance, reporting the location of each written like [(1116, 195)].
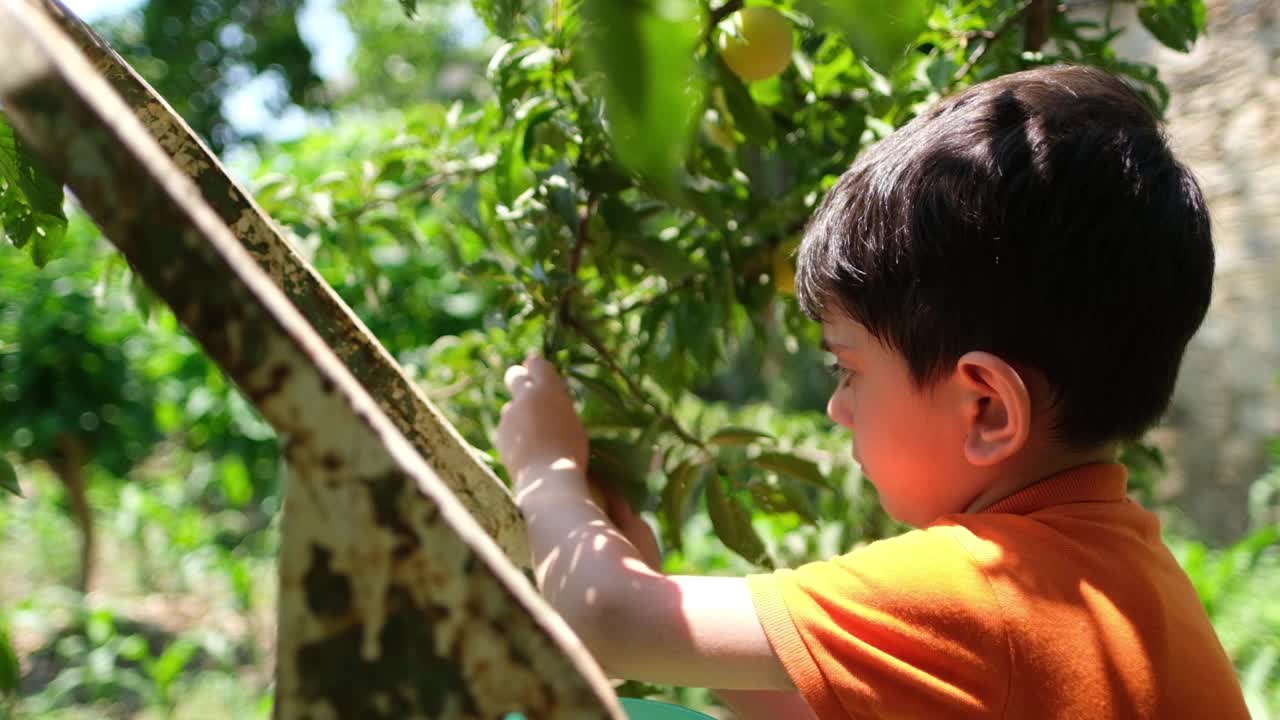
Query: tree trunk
[(394, 602), (1039, 16), (68, 466)]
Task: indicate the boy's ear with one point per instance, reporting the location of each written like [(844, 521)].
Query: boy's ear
[(996, 407)]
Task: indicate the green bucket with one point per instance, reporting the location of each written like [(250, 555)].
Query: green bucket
[(646, 710), (654, 710)]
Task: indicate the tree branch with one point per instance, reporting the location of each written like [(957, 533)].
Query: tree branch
[(988, 41), (429, 185), (584, 225), (634, 387), (719, 14), (1037, 26), (637, 303)]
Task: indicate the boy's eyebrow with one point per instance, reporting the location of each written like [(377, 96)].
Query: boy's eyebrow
[(828, 346)]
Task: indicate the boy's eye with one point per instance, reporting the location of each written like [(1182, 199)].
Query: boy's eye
[(839, 372)]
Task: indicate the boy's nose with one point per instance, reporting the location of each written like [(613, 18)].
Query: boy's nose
[(837, 412)]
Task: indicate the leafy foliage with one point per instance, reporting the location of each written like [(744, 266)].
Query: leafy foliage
[(31, 214), (879, 32), (196, 52), (624, 202), (69, 369), (642, 195), (8, 664), (1175, 23), (401, 61), (9, 477)]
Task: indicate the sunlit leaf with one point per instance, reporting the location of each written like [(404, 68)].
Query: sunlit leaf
[(1175, 23), (682, 485), (9, 669), (879, 31), (791, 466), (644, 52), (176, 657), (9, 477), (498, 15), (31, 214), (737, 436), (747, 116)]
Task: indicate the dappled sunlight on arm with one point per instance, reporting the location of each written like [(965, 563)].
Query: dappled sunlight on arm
[(639, 623)]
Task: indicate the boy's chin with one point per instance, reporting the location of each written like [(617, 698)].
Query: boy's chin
[(909, 516)]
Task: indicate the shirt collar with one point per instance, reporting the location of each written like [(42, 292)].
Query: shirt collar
[(1095, 482)]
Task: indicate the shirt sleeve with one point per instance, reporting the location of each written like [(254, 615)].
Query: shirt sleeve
[(904, 628)]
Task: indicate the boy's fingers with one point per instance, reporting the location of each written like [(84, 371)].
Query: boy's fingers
[(544, 372), (538, 366), (517, 379)]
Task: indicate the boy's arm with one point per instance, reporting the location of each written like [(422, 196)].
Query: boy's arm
[(639, 623)]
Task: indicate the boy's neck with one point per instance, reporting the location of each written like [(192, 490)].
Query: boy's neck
[(1027, 469)]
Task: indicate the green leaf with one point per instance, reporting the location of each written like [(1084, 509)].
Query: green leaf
[(747, 116), (737, 436), (172, 662), (623, 465), (879, 31), (637, 689), (645, 54), (9, 669), (498, 15), (410, 7), (512, 169), (9, 477), (237, 485), (732, 523), (603, 404), (798, 499), (624, 223), (1175, 23), (792, 466), (681, 486), (31, 214)]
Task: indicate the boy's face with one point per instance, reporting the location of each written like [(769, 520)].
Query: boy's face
[(909, 442)]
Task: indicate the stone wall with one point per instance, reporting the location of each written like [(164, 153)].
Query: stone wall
[(1224, 120)]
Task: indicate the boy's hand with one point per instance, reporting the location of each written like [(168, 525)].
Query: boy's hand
[(539, 427), (631, 525)]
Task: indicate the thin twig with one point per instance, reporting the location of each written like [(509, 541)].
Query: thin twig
[(1003, 28), (722, 12), (581, 238), (428, 185), (584, 226), (684, 284), (607, 358)]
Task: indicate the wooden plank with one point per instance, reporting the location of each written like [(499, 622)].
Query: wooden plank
[(395, 603)]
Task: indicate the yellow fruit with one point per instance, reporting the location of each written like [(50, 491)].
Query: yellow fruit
[(757, 43)]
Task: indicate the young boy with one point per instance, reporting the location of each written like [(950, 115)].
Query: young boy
[(1007, 284)]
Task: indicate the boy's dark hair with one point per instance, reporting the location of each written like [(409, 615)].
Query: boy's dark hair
[(1039, 216)]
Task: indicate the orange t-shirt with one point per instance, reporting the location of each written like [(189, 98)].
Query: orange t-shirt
[(1060, 601)]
